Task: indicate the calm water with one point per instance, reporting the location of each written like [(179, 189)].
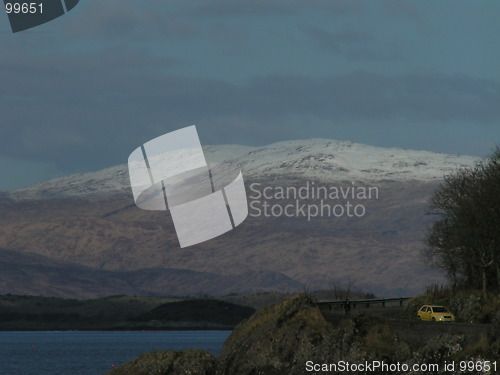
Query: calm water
[(92, 353)]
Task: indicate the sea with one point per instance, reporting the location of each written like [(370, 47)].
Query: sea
[(92, 353)]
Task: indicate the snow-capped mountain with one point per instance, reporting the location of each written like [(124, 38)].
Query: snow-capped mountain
[(121, 246), (315, 160)]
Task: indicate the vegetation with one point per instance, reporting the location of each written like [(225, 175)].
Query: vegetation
[(48, 313), (468, 305), (220, 313), (465, 241), (19, 312)]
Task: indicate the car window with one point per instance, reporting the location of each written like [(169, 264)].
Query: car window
[(440, 309)]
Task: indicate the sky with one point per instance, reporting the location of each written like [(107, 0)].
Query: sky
[(80, 93)]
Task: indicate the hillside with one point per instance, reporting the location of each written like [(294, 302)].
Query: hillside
[(208, 312), (32, 313), (90, 221), (26, 273)]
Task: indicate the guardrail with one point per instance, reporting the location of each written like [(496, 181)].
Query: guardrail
[(366, 303)]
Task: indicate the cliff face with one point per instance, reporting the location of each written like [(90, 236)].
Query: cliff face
[(290, 337)]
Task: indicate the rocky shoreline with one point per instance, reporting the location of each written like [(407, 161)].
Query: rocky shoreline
[(293, 337)]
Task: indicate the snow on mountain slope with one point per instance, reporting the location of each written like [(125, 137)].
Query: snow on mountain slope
[(314, 159), (114, 180), (328, 160)]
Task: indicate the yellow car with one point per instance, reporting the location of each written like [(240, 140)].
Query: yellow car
[(434, 313)]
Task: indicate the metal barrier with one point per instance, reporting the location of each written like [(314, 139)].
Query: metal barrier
[(348, 304)]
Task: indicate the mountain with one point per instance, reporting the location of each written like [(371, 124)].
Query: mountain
[(34, 274), (90, 220), (316, 159)]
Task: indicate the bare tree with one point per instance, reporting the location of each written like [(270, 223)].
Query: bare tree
[(341, 289), (465, 241)]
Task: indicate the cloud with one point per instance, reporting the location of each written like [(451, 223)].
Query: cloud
[(149, 23), (112, 75), (353, 44), (244, 7), (275, 7), (140, 21), (362, 95), (118, 57), (336, 41), (78, 114), (400, 8)]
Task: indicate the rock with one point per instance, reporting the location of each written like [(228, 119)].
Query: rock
[(280, 339), (440, 348), (187, 362), (283, 338)]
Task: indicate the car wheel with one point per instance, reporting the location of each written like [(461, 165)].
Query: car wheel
[(433, 319)]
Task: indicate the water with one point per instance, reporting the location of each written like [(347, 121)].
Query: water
[(92, 353)]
